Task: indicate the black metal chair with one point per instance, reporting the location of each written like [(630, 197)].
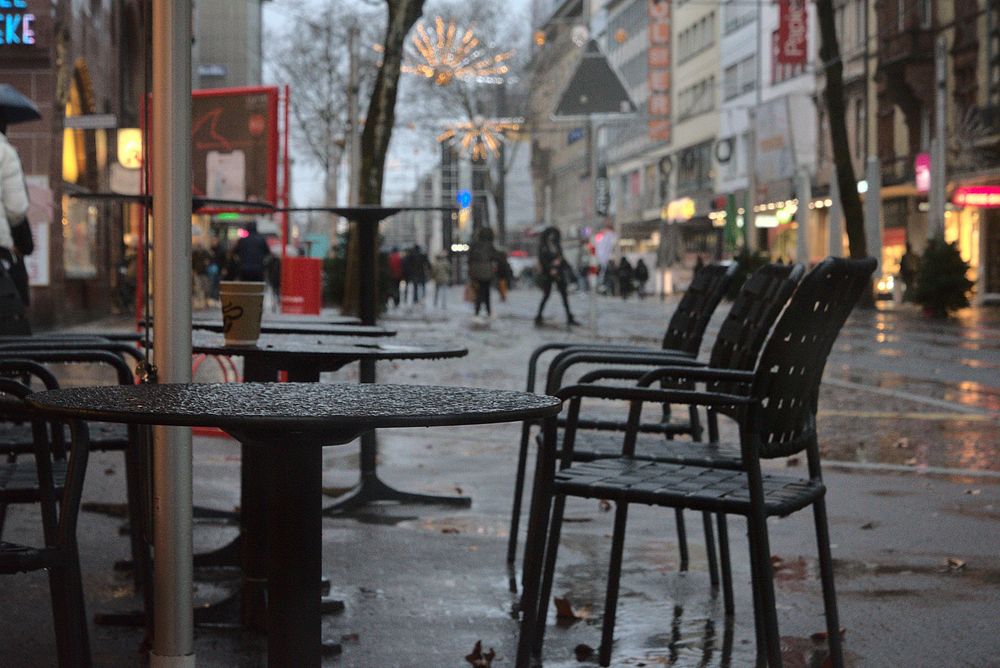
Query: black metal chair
[(735, 350), (55, 482), (777, 417), (682, 339), (104, 437)]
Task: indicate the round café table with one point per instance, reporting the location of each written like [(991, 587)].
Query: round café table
[(303, 358), (289, 423)]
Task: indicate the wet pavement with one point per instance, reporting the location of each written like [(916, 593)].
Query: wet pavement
[(908, 421)]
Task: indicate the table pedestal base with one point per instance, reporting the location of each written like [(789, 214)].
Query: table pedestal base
[(372, 489)]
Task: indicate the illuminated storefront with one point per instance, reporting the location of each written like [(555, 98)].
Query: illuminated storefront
[(973, 223)]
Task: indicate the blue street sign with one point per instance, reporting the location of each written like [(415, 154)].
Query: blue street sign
[(464, 198)]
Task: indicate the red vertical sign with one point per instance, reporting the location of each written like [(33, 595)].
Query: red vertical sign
[(658, 76), (792, 32)]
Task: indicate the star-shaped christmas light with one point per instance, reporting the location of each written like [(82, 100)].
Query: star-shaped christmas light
[(443, 55), (481, 136)]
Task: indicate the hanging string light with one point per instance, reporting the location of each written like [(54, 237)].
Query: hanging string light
[(481, 136), (442, 54)]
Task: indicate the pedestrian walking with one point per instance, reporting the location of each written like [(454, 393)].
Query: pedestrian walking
[(550, 256), (416, 268), (610, 278), (483, 259), (441, 273), (251, 254), (641, 277), (505, 275), (625, 276), (395, 274), (16, 241)]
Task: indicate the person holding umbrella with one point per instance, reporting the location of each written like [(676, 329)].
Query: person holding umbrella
[(15, 233)]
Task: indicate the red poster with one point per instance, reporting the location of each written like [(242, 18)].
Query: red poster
[(792, 32), (658, 68)]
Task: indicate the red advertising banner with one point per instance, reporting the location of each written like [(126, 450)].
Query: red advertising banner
[(658, 70), (792, 32), (234, 150)]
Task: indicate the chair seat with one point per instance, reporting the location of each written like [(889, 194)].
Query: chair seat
[(673, 485), (19, 480), (589, 446), (15, 437), (16, 558)]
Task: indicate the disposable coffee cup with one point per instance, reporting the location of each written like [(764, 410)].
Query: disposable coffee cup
[(242, 303)]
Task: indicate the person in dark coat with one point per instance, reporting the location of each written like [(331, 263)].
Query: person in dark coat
[(641, 277), (483, 260), (625, 278), (416, 268), (550, 256), (610, 278), (251, 254)]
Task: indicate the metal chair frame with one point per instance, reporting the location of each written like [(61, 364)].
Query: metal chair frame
[(59, 505), (682, 339), (776, 418)]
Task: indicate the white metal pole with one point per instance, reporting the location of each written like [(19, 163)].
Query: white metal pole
[(173, 641)]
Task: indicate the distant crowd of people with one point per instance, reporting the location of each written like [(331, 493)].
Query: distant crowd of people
[(409, 273)]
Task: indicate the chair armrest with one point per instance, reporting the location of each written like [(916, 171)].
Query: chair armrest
[(643, 394), (655, 358), (695, 373), (584, 346)]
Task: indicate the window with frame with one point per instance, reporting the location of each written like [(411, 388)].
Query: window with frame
[(696, 38), (731, 82), (695, 168), (736, 14), (926, 16), (696, 99)]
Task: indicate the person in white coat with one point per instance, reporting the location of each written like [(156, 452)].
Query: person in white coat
[(13, 209)]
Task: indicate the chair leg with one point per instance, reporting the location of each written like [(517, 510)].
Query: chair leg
[(515, 515), (713, 426), (69, 613), (695, 422), (682, 543), (136, 518), (726, 566), (758, 605), (549, 571), (826, 576), (614, 576), (765, 585), (541, 504), (713, 564), (3, 518)]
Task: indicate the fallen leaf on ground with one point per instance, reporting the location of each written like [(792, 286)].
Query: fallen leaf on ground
[(109, 471), (604, 505), (954, 563), (350, 637), (479, 660), (973, 492), (565, 611), (902, 443), (450, 530), (458, 490), (912, 461), (792, 461), (820, 636), (868, 525), (583, 652)]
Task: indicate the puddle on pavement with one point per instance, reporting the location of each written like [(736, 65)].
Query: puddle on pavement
[(467, 525)]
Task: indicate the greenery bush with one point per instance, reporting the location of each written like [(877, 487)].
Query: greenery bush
[(941, 283)]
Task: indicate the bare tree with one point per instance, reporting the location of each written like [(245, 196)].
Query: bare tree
[(833, 66), (379, 122), (311, 56)]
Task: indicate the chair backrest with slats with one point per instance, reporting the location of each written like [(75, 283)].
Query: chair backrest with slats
[(788, 374), (689, 321), (743, 332)]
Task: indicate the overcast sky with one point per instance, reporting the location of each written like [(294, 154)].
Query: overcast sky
[(411, 152)]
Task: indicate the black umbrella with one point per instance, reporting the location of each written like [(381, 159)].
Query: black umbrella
[(15, 107)]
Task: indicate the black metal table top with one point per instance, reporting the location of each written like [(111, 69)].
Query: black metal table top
[(286, 327), (295, 407), (304, 348)]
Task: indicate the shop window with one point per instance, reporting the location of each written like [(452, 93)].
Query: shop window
[(79, 227)]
